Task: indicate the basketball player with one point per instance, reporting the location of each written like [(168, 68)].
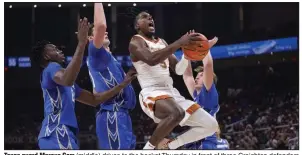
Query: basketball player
[(113, 122), (59, 127), (204, 92), (152, 58)]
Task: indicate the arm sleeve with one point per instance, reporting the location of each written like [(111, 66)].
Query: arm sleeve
[(98, 59)]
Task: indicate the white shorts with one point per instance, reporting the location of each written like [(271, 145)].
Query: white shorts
[(148, 97)]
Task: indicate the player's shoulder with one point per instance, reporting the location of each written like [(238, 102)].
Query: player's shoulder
[(162, 40), (91, 47), (137, 38), (211, 90), (52, 65)]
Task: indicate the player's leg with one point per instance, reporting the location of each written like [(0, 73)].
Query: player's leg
[(202, 125), (114, 130), (48, 143), (170, 114), (102, 131), (125, 133)]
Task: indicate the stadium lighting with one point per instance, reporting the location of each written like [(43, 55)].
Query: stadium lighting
[(84, 5), (35, 6), (10, 6), (134, 4), (59, 5), (109, 4)]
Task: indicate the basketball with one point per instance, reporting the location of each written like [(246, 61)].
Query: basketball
[(197, 52)]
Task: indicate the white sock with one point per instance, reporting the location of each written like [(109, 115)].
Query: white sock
[(149, 146), (192, 135)]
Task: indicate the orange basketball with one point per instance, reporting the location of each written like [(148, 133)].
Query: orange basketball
[(197, 51)]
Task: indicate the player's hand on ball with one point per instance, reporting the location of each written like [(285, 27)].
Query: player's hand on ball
[(188, 38), (83, 28), (131, 75), (213, 41)]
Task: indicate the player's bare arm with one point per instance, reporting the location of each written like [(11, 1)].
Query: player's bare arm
[(94, 99), (208, 69), (67, 77), (139, 49), (100, 25), (172, 62), (189, 79)]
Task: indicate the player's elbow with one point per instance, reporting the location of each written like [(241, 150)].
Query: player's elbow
[(212, 125)]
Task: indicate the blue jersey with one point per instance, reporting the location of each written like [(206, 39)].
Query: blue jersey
[(105, 73), (208, 99), (222, 144), (59, 102)]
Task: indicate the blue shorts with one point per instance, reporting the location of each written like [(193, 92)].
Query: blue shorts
[(114, 130), (61, 138), (205, 145)]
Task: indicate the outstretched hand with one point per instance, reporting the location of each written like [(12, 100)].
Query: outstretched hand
[(83, 28), (131, 75)]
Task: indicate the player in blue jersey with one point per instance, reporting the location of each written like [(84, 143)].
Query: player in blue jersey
[(113, 122), (203, 91), (59, 127)]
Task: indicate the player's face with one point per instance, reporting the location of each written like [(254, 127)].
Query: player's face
[(52, 53), (106, 38), (198, 80), (145, 23)]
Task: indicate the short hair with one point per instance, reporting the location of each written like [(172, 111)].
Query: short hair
[(37, 51), (200, 69), (137, 17)]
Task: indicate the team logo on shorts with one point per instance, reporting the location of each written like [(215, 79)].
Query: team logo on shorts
[(112, 129), (63, 138)]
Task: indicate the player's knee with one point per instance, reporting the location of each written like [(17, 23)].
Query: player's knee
[(177, 115), (212, 124)]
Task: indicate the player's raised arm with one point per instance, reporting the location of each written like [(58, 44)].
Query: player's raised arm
[(67, 77), (208, 69), (189, 79), (95, 99), (139, 49), (100, 25), (98, 48)]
